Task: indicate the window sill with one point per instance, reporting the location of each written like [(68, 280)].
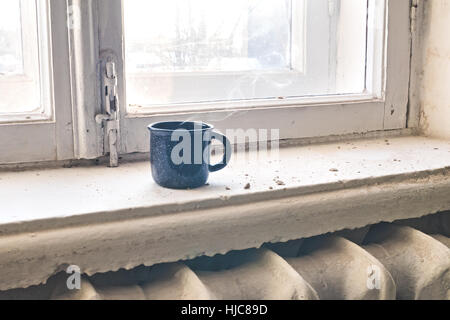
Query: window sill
[(103, 219)]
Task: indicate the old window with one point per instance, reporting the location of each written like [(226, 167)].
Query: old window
[(306, 67)]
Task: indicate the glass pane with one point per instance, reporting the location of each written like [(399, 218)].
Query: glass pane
[(20, 88), (191, 51), (11, 61), (207, 35)]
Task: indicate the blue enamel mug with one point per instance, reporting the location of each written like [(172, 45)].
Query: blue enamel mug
[(180, 153)]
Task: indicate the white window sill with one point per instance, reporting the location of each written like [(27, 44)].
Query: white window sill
[(103, 219)]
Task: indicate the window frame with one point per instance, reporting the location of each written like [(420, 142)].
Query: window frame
[(44, 135), (21, 82), (77, 56), (383, 109)]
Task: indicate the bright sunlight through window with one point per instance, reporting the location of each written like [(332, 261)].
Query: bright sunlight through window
[(194, 51)]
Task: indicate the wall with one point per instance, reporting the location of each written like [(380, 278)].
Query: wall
[(435, 75)]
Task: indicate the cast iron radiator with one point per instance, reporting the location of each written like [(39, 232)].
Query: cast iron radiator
[(403, 260)]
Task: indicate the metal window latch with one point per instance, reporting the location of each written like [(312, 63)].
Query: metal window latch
[(110, 117)]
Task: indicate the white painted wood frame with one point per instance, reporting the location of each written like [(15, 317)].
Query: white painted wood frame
[(47, 134), (382, 107)]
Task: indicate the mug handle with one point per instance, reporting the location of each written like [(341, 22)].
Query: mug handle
[(226, 155)]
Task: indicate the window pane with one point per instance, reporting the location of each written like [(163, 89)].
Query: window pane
[(11, 60), (189, 51), (207, 35), (20, 88)]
